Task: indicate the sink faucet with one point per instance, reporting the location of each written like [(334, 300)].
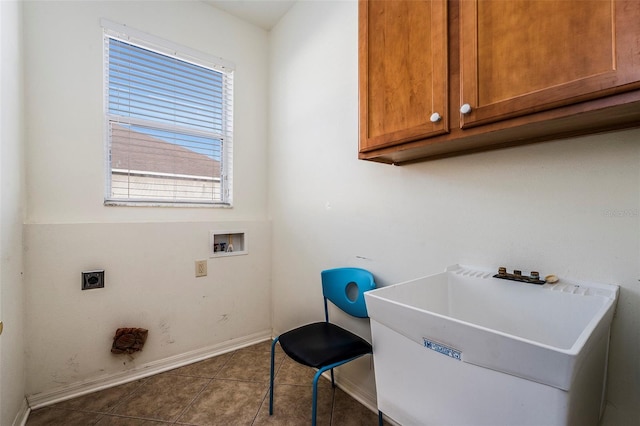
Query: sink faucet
[(533, 278)]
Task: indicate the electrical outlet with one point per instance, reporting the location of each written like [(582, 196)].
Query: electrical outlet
[(201, 268), (93, 279)]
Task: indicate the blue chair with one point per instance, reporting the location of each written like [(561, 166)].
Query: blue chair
[(324, 345)]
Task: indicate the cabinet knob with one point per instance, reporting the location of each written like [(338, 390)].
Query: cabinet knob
[(435, 117), (465, 109)]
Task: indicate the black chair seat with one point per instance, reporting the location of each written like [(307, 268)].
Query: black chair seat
[(320, 344)]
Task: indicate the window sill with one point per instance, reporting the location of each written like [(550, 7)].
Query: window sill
[(123, 203)]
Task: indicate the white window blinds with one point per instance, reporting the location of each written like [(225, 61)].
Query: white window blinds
[(169, 122)]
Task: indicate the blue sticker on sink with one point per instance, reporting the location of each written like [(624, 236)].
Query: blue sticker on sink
[(445, 350)]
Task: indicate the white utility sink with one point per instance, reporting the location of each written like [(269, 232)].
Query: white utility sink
[(464, 348)]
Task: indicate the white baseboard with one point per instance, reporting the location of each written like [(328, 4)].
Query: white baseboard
[(75, 390), (360, 394), (22, 415)]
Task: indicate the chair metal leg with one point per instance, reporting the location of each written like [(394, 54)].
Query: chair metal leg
[(380, 418), (273, 350), (314, 397), (333, 382)]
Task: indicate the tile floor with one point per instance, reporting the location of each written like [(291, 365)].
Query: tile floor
[(230, 389)]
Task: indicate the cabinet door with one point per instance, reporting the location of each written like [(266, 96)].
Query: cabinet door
[(402, 71), (524, 56)]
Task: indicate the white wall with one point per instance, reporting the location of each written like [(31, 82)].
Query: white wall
[(568, 207), (150, 283), (148, 253), (12, 365)]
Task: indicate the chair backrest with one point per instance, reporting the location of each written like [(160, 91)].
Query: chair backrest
[(345, 288)]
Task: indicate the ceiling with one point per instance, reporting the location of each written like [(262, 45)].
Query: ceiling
[(263, 13)]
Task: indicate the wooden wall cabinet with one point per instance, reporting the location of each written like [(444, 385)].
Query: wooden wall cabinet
[(403, 70), (440, 78)]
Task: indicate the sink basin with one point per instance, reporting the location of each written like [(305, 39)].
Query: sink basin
[(499, 341)]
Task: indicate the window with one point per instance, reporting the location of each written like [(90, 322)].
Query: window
[(168, 119)]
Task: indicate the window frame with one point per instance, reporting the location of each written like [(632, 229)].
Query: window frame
[(123, 33)]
